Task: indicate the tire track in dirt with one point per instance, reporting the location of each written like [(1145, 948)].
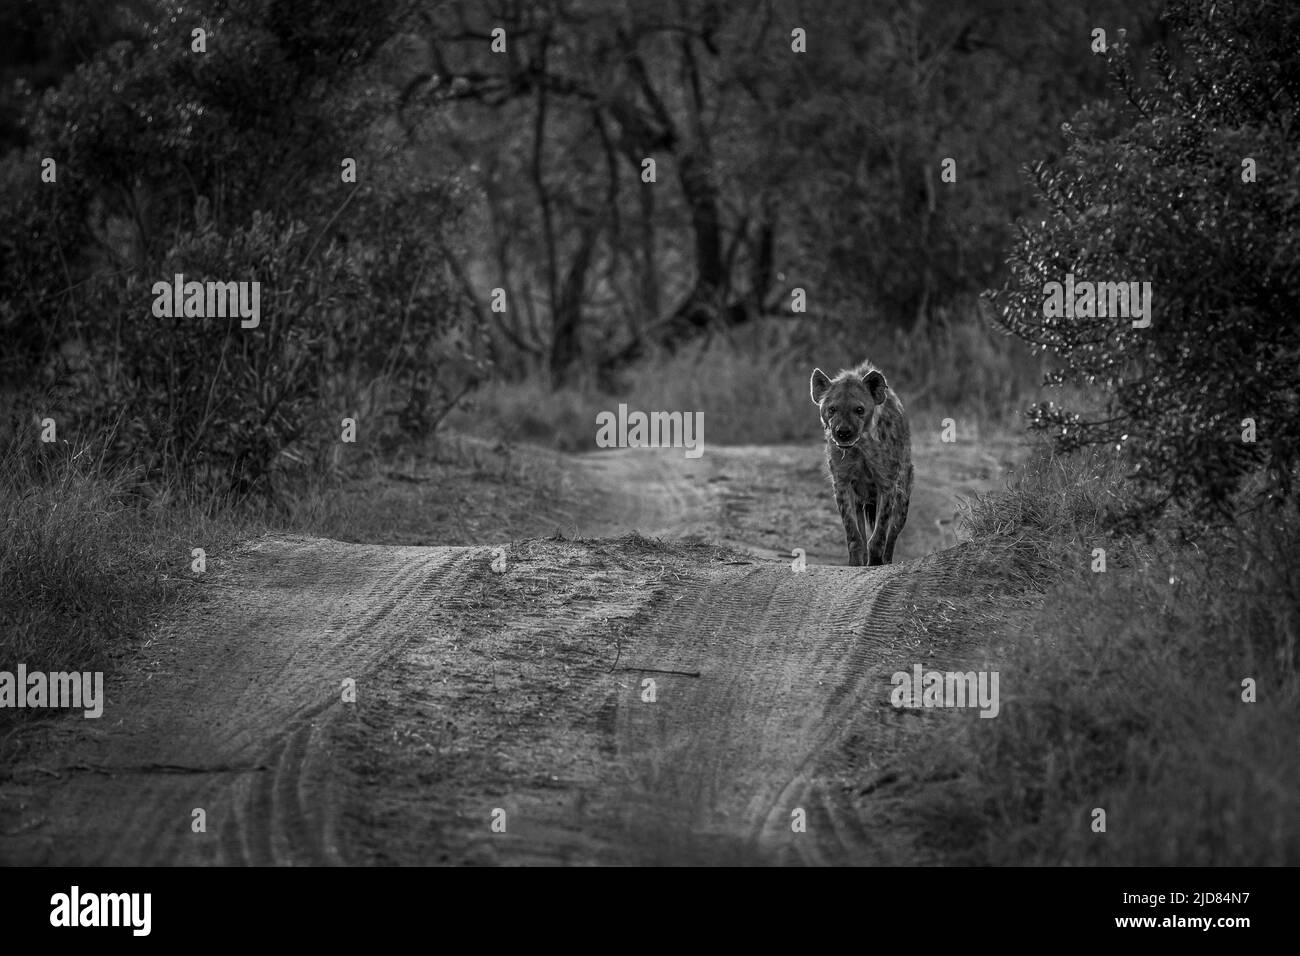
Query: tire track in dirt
[(231, 715), (720, 763), (653, 491)]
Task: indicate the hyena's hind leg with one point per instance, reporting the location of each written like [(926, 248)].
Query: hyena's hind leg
[(854, 532)]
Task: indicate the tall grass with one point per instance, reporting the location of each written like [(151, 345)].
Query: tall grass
[(752, 384), (87, 559), (1123, 691)]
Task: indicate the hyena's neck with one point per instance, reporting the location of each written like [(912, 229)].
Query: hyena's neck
[(861, 460), (887, 417), (874, 432)]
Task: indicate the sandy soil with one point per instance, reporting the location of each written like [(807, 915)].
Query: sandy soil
[(678, 695)]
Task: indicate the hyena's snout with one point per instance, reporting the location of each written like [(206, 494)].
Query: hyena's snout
[(844, 430)]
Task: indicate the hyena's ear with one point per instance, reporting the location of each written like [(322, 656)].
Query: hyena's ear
[(819, 385), (876, 385)]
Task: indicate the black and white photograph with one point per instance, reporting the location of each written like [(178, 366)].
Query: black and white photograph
[(703, 433)]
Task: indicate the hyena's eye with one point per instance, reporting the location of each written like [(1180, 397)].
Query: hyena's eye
[(861, 410), (830, 409)]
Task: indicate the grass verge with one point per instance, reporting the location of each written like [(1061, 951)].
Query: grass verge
[(1124, 690), (87, 561)]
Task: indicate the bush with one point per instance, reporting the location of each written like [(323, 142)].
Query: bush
[(203, 397), (208, 402), (226, 167), (1152, 188)]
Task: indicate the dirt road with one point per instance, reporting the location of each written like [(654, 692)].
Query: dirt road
[(685, 695)]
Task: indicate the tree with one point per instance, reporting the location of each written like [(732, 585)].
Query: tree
[(775, 168), (1187, 183)]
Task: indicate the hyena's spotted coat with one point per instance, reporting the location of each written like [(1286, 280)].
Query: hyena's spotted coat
[(869, 451)]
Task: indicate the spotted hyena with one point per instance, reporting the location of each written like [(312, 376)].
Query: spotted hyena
[(869, 451)]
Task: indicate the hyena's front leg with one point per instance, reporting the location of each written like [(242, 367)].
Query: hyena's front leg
[(902, 499), (854, 533), (878, 532), (873, 514)]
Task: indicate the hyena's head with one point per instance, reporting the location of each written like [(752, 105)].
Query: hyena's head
[(847, 402)]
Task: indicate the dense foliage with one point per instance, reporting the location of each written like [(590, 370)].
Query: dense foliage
[(1189, 183), (226, 165)]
